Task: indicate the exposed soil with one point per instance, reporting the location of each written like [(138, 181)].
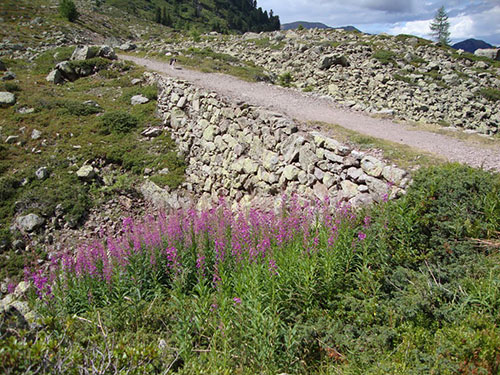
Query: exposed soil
[(307, 107)]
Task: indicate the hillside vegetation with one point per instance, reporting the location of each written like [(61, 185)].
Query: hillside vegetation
[(405, 287)]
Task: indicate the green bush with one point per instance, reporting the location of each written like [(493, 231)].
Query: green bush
[(76, 108), (117, 122), (92, 65), (11, 87), (285, 79), (444, 209), (384, 56), (67, 9), (490, 94)]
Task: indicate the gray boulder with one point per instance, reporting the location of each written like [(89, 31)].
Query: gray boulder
[(7, 99), (30, 222), (9, 76), (55, 76), (107, 52), (491, 53), (329, 60), (67, 70), (86, 173), (83, 53), (138, 99), (128, 46)]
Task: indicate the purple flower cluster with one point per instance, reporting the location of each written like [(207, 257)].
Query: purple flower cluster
[(208, 243)]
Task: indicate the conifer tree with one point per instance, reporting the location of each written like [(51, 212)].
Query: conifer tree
[(440, 27)]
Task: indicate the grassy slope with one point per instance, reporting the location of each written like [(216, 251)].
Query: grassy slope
[(72, 134)]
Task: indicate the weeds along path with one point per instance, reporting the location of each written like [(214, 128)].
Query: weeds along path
[(306, 107)]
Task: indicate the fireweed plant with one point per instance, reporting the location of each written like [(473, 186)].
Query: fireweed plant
[(220, 248)]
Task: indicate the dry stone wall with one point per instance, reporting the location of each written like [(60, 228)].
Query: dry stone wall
[(242, 152)]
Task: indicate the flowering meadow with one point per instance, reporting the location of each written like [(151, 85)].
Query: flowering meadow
[(404, 287)]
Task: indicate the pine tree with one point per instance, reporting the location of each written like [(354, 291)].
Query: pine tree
[(158, 15), (67, 9), (440, 27)]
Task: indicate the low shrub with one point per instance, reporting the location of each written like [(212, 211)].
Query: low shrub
[(285, 79), (117, 122), (75, 108), (491, 94), (11, 87), (384, 56)]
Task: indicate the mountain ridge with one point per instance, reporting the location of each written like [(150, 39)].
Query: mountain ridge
[(317, 25)]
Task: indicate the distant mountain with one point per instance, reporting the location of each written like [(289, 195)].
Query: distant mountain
[(306, 25), (471, 45), (313, 25)]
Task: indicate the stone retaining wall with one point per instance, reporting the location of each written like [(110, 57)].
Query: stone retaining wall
[(242, 152)]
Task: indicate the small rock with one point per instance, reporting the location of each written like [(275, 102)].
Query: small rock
[(9, 76), (135, 81), (87, 172), (152, 132), (372, 166), (7, 99), (291, 172), (42, 173), (138, 99), (36, 134), (12, 139), (128, 46), (25, 110)]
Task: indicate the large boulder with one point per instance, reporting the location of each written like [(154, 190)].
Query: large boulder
[(7, 99), (55, 76), (128, 46), (492, 53), (84, 53), (107, 52), (329, 60), (65, 68), (30, 222)]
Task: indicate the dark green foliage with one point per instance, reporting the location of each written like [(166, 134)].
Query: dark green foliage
[(443, 210), (90, 65), (117, 122), (11, 87), (285, 79), (67, 9), (65, 189), (384, 56), (207, 15), (491, 94)]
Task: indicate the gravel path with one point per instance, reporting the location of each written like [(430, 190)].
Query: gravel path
[(306, 107)]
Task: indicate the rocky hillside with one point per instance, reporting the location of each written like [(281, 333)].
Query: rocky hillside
[(405, 77)]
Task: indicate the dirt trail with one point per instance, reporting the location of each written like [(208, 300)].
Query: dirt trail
[(306, 107)]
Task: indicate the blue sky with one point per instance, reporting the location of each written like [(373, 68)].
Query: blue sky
[(479, 19)]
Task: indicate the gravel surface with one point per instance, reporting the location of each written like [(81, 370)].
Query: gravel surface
[(306, 107)]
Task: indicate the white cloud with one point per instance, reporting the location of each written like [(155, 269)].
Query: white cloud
[(468, 18), (481, 25), (418, 28)]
